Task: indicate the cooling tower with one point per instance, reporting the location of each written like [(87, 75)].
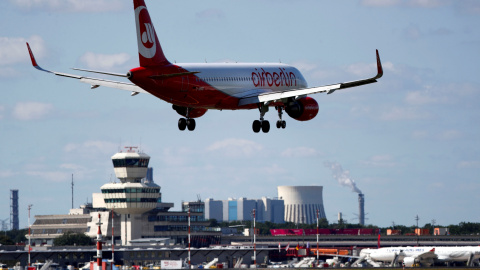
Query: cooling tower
[(301, 203)]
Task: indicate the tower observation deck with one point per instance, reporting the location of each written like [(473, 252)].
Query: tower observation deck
[(131, 197)]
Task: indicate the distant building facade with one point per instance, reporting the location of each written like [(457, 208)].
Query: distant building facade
[(242, 209)]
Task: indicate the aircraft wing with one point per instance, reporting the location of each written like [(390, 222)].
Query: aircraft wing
[(427, 254), (94, 82), (277, 96)]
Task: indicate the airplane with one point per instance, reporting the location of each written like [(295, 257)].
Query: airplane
[(192, 89), (424, 256)]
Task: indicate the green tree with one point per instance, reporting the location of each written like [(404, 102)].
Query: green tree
[(72, 239), (5, 240)]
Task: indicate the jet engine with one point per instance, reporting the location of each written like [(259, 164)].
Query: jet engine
[(409, 261), (302, 109), (192, 112)]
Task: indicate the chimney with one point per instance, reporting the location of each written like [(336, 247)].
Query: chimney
[(361, 209)]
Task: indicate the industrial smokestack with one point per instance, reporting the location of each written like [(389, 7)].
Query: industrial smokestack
[(14, 224), (361, 208)]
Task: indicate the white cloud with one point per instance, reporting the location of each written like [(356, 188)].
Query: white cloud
[(381, 161), (31, 110), (236, 148), (427, 3), (406, 113), (211, 13), (13, 50), (450, 135), (468, 6), (470, 164), (412, 32), (6, 174), (51, 176), (380, 3), (299, 152), (8, 72), (104, 61), (420, 134), (305, 66), (91, 147), (176, 156), (71, 5), (437, 185), (425, 97), (406, 3), (362, 69)]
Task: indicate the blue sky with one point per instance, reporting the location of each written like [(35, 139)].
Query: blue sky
[(410, 141)]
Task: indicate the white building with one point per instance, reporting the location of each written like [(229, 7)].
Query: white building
[(302, 203)]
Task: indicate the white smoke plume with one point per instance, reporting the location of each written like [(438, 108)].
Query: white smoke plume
[(343, 177)]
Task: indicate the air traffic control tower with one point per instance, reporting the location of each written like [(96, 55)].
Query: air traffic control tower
[(131, 197)]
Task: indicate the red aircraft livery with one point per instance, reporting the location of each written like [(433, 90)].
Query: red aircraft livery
[(192, 89)]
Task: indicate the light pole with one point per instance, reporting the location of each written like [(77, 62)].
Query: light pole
[(29, 235), (113, 240), (254, 242), (189, 262), (317, 236)]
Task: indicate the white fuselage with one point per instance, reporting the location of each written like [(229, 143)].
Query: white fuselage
[(234, 79), (442, 254)]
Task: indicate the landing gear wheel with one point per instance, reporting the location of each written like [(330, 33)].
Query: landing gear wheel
[(279, 124), (284, 124), (256, 126), (265, 126), (191, 124), (182, 123)]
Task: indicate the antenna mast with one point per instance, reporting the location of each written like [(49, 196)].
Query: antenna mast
[(72, 190)]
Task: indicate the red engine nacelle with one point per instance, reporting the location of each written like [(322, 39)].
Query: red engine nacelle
[(192, 112), (303, 109)]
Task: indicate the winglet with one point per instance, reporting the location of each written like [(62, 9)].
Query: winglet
[(379, 67), (34, 62)]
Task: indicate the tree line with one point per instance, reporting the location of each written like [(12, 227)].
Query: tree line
[(463, 228), (18, 237)]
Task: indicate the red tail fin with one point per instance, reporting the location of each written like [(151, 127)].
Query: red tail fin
[(149, 50)]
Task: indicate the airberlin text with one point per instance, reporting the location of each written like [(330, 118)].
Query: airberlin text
[(283, 78)]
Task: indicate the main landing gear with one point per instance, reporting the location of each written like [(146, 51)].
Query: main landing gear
[(186, 123), (264, 125)]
